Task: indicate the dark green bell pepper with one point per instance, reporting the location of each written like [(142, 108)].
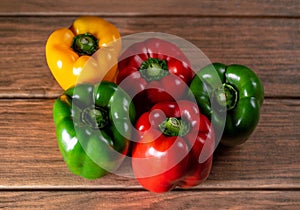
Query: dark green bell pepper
[(93, 128), (233, 91)]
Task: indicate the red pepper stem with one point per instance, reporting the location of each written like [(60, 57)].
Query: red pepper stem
[(173, 126), (154, 69), (95, 116), (85, 44), (226, 96)]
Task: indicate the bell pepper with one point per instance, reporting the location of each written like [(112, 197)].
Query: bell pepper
[(239, 95), (174, 147), (93, 127), (72, 56), (152, 71)]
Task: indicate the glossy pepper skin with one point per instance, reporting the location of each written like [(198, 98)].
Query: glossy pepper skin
[(71, 52), (174, 147), (154, 70), (93, 128), (240, 94)]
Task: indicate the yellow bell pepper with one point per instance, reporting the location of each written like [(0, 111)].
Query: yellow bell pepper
[(73, 54)]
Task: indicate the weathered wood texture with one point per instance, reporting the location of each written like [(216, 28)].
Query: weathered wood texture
[(30, 157), (288, 200), (269, 46), (263, 173), (288, 8)]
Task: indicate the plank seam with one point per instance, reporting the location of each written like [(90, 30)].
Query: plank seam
[(117, 15), (138, 188), (54, 97)]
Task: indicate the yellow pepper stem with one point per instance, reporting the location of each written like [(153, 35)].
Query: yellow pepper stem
[(85, 44)]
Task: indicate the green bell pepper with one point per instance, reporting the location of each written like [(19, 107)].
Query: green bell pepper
[(93, 128), (235, 90)]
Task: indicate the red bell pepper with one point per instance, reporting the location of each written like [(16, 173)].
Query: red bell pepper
[(174, 147), (154, 70)]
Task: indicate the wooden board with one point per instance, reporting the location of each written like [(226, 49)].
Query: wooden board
[(268, 46), (288, 8), (288, 200), (30, 157), (263, 173)]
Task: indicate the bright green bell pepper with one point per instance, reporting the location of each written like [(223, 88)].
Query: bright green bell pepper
[(93, 127), (234, 89)]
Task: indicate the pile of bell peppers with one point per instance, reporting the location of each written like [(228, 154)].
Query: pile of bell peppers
[(140, 105)]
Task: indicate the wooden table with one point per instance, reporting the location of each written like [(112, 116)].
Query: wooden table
[(262, 173)]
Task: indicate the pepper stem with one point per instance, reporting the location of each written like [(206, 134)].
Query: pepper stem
[(85, 44), (95, 116), (173, 126), (227, 96), (154, 69)]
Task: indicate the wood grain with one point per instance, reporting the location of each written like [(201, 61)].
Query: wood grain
[(30, 158), (289, 8), (269, 46), (263, 173), (145, 200)]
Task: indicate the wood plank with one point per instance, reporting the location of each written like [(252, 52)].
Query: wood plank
[(288, 8), (30, 158), (268, 46), (146, 200)]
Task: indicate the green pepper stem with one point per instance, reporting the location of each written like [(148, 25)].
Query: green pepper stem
[(85, 44), (95, 116), (174, 127), (226, 96), (154, 69)]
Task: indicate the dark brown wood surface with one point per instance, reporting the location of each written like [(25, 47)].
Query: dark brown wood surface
[(289, 8), (263, 173)]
